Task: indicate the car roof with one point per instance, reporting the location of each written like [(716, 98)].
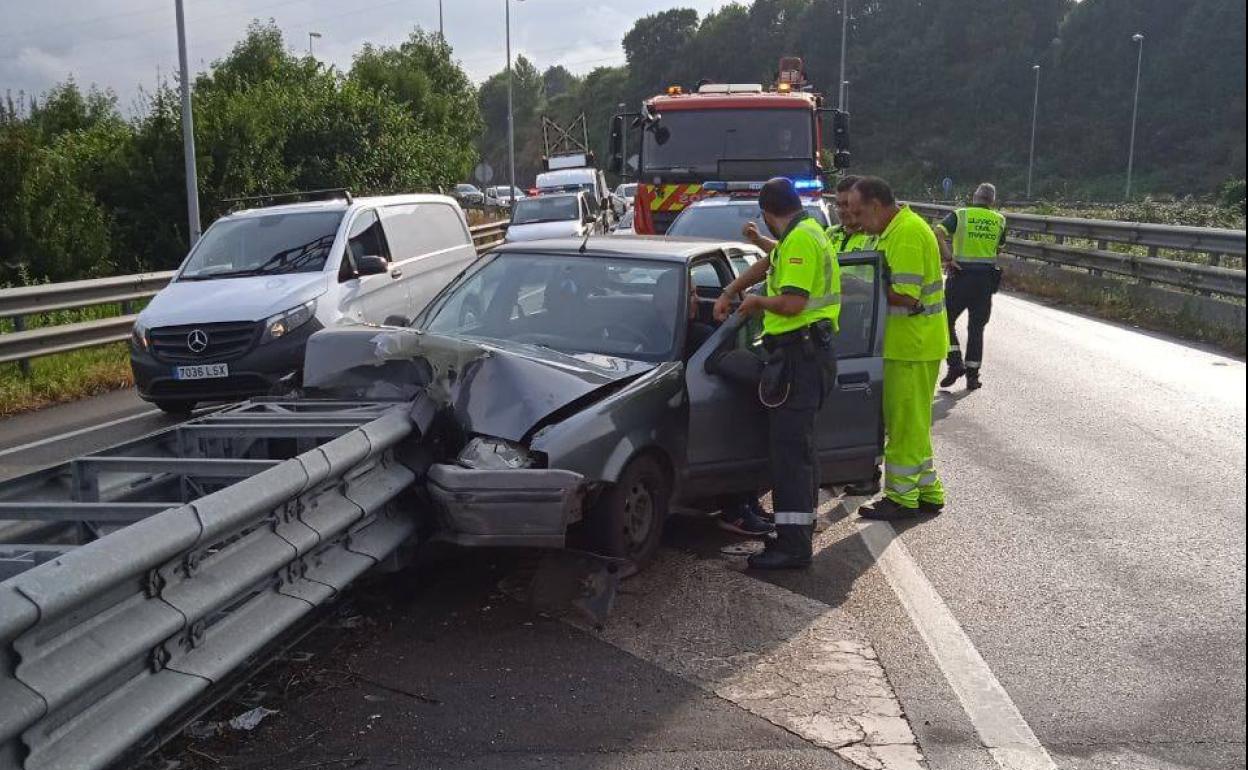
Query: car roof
[(573, 194), (656, 247), (339, 204)]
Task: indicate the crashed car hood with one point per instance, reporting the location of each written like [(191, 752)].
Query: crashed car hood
[(496, 388)]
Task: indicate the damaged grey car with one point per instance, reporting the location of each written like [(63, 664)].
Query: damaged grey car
[(561, 393)]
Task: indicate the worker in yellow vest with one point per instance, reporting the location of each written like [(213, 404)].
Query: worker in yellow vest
[(916, 340), (978, 233), (801, 308)]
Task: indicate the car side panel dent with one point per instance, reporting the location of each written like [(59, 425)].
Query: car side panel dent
[(651, 412)]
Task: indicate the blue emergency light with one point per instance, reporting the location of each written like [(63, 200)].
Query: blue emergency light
[(808, 185)]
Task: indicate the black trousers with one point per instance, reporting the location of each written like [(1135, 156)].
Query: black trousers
[(793, 452), (969, 291)]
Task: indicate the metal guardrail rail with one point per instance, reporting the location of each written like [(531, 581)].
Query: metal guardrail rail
[(1191, 276), (21, 303), (182, 555)]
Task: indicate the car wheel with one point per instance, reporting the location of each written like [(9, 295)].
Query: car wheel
[(175, 408), (628, 520)]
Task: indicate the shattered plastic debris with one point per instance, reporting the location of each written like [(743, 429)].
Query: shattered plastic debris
[(249, 720), (200, 730)]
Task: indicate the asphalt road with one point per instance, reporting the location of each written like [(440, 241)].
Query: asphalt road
[(1085, 588)]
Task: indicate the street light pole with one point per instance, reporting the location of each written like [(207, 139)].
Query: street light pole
[(844, 95), (511, 118), (1035, 109), (188, 132), (441, 26), (1135, 107), (311, 37)]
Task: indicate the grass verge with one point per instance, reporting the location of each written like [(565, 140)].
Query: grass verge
[(65, 377)]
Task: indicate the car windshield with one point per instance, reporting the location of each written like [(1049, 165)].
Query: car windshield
[(626, 190), (752, 144), (465, 188), (545, 209), (724, 223), (575, 305), (264, 245)]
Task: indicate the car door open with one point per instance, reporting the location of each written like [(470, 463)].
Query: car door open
[(850, 427)]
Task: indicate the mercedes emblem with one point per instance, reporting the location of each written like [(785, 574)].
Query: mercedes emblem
[(197, 341)]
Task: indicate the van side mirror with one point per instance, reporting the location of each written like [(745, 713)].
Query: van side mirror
[(371, 265)]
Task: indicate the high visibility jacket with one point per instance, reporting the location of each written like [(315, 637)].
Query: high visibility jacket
[(977, 237), (843, 242), (913, 258), (804, 263)]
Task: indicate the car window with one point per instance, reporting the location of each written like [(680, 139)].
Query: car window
[(603, 305), (859, 295), (364, 239), (413, 230), (705, 276), (560, 208)]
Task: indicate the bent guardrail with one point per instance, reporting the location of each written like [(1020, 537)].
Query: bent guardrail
[(104, 642), (1214, 243), (21, 303)]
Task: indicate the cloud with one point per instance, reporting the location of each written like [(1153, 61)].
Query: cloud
[(123, 44)]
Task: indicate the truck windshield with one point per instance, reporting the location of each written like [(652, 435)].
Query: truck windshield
[(697, 140), (545, 209), (264, 245)]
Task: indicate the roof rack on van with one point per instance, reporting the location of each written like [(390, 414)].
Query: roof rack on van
[(327, 194)]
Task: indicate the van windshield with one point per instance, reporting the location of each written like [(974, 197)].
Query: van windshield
[(264, 245)]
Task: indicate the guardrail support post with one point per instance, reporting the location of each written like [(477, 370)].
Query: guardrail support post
[(19, 325)]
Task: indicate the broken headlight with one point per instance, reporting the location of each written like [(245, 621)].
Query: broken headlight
[(495, 454)]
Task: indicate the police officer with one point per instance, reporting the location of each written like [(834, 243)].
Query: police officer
[(978, 233), (801, 306), (916, 339)]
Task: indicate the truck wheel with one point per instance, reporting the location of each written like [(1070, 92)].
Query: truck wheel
[(628, 520), (175, 408)]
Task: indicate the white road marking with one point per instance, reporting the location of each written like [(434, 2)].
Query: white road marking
[(75, 433), (997, 720)]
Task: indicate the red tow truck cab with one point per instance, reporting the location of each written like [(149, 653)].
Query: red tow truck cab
[(724, 137)]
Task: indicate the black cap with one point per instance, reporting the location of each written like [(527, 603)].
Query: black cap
[(779, 197)]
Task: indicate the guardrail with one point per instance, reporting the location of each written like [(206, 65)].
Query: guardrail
[(102, 644), (1192, 276), (21, 303)]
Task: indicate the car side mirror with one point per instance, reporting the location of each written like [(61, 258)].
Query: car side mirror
[(371, 265), (396, 320)]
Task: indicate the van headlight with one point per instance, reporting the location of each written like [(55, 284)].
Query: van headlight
[(286, 322), (138, 336), (496, 454)]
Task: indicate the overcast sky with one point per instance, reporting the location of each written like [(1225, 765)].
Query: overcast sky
[(122, 44)]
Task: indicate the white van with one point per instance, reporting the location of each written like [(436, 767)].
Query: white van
[(234, 320)]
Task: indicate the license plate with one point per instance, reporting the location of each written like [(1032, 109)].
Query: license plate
[(201, 372)]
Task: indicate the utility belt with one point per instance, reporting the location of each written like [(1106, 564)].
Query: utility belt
[(788, 351), (818, 334), (990, 270)]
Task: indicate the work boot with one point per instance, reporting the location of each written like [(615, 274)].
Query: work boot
[(740, 519), (972, 380), (790, 550), (888, 509), (953, 375), (930, 509)]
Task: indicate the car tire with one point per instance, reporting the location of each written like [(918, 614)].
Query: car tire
[(176, 408), (627, 521)]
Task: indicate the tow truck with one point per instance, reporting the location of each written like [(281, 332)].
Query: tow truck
[(724, 137)]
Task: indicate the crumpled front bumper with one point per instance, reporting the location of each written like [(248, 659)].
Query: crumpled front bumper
[(513, 508)]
